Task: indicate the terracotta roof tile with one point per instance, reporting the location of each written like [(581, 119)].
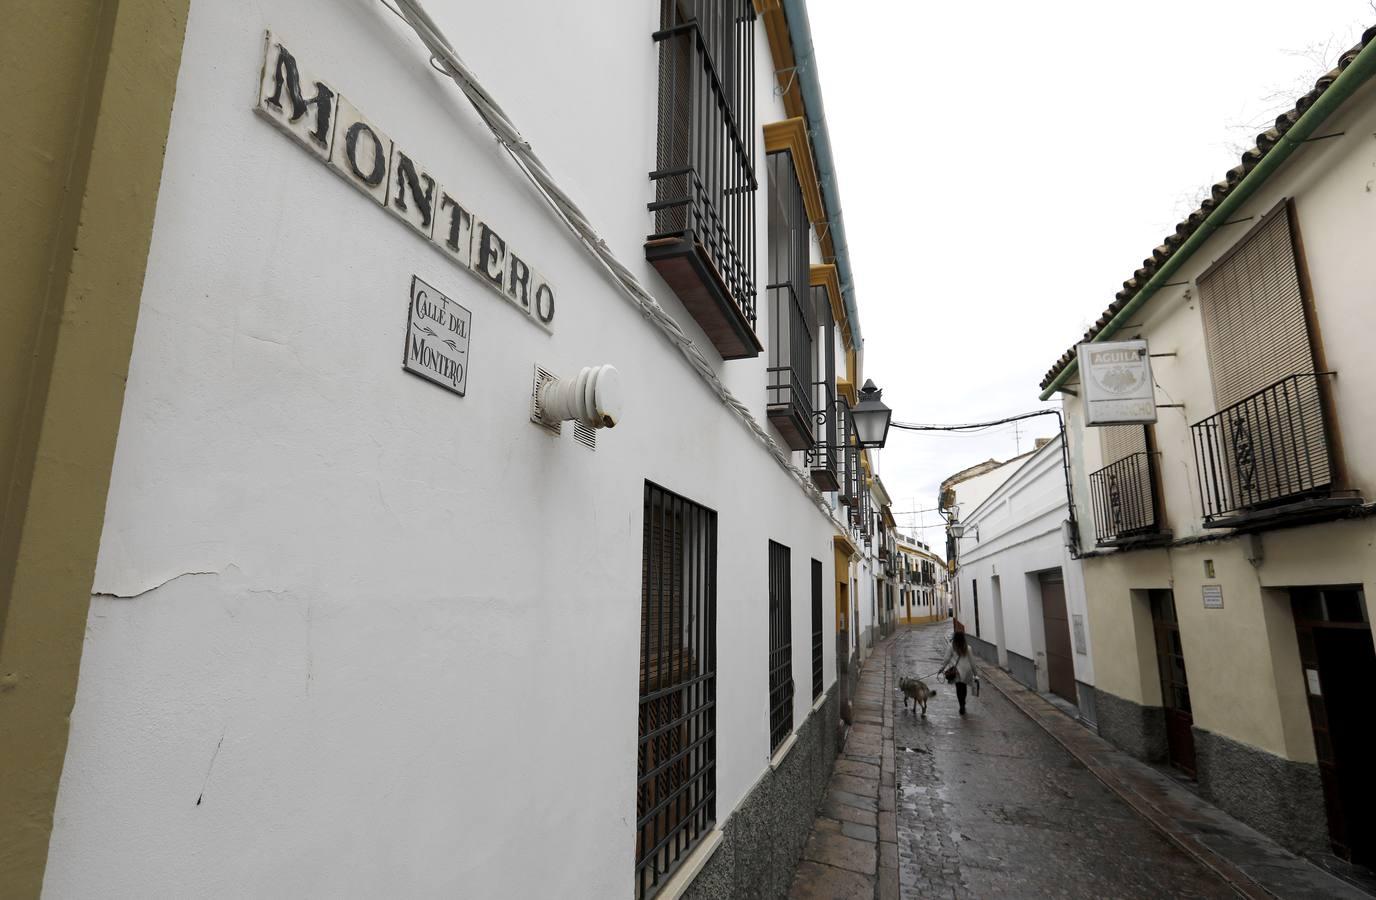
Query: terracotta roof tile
[(1265, 141)]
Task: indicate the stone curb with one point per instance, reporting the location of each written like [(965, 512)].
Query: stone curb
[(1081, 745)]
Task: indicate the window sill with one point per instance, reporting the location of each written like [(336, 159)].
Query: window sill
[(778, 758), (687, 870), (817, 704)]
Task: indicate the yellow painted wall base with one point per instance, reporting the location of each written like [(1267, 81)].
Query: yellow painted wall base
[(89, 87)]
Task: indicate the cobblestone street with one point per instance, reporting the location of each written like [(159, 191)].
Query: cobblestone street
[(989, 805)]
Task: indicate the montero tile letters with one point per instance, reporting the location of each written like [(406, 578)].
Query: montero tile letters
[(339, 135)]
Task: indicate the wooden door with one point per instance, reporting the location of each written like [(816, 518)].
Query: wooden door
[(1175, 686), (1339, 663), (1060, 663)]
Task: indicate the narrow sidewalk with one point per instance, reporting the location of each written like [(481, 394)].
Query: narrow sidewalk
[(852, 853), (1254, 865)]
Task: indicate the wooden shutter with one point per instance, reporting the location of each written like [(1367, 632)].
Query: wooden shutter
[(1254, 321)]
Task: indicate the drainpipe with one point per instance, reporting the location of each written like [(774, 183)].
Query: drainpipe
[(1354, 76), (805, 62)]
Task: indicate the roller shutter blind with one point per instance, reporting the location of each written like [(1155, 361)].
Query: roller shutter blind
[(1254, 324), (1121, 441)]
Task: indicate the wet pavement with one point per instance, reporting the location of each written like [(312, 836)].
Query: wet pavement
[(990, 805), (851, 853)]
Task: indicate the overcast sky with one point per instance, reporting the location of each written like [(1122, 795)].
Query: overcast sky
[(1005, 166)]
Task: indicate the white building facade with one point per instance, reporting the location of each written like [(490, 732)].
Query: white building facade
[(359, 623), (1022, 592)]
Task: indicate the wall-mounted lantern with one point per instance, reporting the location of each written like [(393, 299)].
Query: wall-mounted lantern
[(871, 417)]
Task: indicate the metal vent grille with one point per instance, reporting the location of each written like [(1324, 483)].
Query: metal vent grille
[(585, 435), (536, 413)]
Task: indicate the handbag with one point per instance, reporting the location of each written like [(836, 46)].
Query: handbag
[(952, 674)]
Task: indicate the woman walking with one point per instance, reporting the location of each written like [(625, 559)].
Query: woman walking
[(960, 667)]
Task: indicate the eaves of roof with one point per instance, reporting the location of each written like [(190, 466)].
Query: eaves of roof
[(1250, 159)]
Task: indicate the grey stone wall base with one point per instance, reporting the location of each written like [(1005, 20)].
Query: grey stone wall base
[(1088, 711), (983, 649), (1138, 729), (765, 835), (1281, 798), (1023, 669)]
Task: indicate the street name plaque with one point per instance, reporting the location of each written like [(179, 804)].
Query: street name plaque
[(437, 335)]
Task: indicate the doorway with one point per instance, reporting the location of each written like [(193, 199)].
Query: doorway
[(1175, 686), (1060, 663), (1339, 662)]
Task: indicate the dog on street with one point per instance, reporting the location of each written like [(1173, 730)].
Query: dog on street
[(917, 691)]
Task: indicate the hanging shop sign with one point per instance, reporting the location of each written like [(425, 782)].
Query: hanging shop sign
[(437, 334), (1117, 384), (335, 132)]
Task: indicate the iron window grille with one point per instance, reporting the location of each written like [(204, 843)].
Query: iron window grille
[(705, 167), (677, 751), (1266, 450), (1123, 497), (793, 317), (780, 647), (816, 629)]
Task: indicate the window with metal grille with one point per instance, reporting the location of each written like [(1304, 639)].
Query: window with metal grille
[(792, 312), (677, 751), (780, 647), (816, 629), (705, 158)]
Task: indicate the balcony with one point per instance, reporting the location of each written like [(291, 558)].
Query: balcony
[(824, 456), (1123, 497), (1268, 458), (703, 244)]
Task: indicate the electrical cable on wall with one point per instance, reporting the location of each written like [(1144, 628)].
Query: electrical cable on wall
[(445, 59)]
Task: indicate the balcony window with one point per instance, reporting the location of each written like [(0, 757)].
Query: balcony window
[(1267, 452), (824, 457), (677, 750), (792, 309), (1124, 492), (703, 242)]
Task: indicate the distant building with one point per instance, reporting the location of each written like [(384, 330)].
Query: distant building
[(921, 595), (1022, 598)]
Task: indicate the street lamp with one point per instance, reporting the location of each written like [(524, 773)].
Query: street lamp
[(871, 417)]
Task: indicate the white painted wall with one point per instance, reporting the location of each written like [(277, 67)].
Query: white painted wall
[(1019, 530), (353, 635)]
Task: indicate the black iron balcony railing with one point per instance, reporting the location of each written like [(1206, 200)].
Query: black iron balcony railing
[(1123, 495), (1268, 450), (703, 240), (789, 377), (823, 459)]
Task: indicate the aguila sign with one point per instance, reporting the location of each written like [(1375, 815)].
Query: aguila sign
[(1117, 383)]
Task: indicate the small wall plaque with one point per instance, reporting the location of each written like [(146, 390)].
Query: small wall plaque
[(437, 335), (1213, 596), (1311, 678), (1079, 629)]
